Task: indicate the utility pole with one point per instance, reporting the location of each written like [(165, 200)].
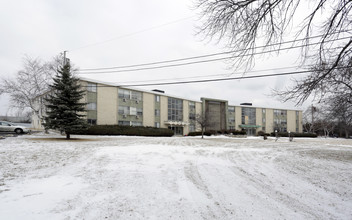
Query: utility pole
[(314, 109), (66, 60)]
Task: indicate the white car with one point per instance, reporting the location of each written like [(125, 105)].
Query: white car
[(10, 127)]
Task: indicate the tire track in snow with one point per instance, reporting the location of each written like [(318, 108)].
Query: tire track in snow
[(255, 169)]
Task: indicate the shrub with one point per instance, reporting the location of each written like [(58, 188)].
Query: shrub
[(294, 134), (126, 130), (236, 132), (199, 133), (262, 133)]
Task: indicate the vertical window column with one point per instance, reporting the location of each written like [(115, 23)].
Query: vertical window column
[(263, 119), (130, 107), (175, 109), (91, 103), (192, 116), (157, 111)]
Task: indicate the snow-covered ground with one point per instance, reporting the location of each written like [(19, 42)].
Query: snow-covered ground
[(100, 177)]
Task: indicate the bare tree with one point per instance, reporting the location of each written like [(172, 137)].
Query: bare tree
[(340, 108), (322, 83), (203, 121), (326, 125), (325, 121), (310, 117), (33, 80), (244, 23)]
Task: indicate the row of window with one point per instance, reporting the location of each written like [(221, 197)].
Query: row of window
[(280, 112), (232, 119), (130, 123), (92, 87), (248, 116), (127, 110), (128, 94), (175, 109), (231, 109), (192, 116), (192, 106), (122, 93)]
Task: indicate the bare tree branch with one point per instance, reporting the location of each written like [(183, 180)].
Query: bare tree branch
[(243, 23), (31, 81)]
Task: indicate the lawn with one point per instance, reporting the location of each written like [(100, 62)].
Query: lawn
[(105, 177)]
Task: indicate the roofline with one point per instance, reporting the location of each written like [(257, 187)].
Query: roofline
[(173, 96), (136, 89)]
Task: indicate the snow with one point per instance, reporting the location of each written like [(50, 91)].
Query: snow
[(105, 177)]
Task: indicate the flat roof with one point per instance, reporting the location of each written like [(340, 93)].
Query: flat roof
[(136, 89), (173, 96)]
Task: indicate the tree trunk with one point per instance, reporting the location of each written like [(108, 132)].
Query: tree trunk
[(202, 133), (67, 136)]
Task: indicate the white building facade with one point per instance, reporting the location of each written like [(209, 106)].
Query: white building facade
[(110, 104)]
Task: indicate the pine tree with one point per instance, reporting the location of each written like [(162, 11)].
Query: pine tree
[(65, 112)]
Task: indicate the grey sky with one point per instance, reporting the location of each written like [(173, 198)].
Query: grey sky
[(43, 29)]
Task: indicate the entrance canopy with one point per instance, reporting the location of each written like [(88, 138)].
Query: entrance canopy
[(250, 126), (176, 123)]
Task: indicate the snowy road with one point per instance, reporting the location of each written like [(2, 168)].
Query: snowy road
[(94, 177)]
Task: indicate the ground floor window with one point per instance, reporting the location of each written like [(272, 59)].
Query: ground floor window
[(136, 123), (92, 121), (157, 124), (123, 123)]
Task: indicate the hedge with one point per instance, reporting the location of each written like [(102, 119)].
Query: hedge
[(294, 134), (262, 133), (126, 130), (199, 133), (213, 132)]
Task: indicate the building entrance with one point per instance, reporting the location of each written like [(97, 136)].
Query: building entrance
[(251, 131), (177, 130)]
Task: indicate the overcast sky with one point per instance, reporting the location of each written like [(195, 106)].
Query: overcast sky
[(110, 33)]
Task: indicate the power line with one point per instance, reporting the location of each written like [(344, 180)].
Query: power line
[(219, 79), (193, 77), (227, 79), (201, 61), (133, 33), (210, 55)]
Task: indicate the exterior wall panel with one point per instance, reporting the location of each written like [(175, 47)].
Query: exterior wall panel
[(148, 109), (300, 121), (186, 116), (163, 111), (269, 120), (199, 111), (259, 118), (291, 121), (106, 105), (238, 117)]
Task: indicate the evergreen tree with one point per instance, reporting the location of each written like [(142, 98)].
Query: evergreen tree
[(65, 112)]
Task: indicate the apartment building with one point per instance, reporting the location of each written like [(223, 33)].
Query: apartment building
[(111, 104)]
